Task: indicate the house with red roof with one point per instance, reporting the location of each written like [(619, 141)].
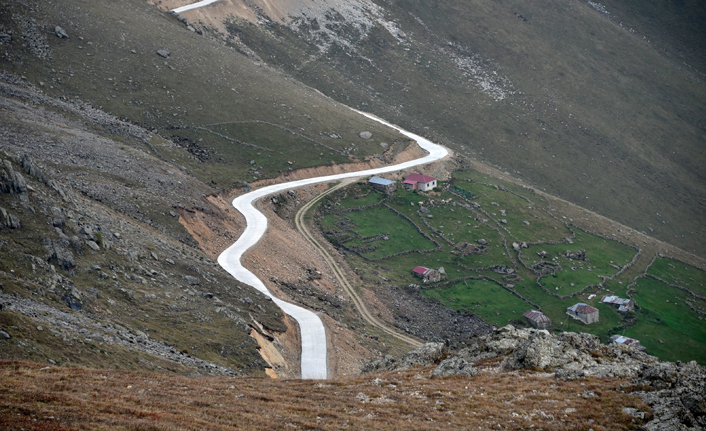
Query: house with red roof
[(427, 275), (419, 182)]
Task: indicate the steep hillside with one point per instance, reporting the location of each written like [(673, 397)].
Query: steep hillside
[(95, 267), (230, 119), (592, 104)]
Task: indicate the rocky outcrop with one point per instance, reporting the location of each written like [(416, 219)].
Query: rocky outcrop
[(427, 354), (675, 391)]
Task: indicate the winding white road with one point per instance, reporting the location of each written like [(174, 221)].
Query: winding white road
[(313, 334), (194, 6)]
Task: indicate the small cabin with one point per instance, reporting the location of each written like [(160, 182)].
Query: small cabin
[(537, 319), (583, 312), (419, 182), (621, 339), (383, 185), (624, 305), (427, 275)]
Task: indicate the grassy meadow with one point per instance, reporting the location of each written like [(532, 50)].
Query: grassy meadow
[(496, 214)]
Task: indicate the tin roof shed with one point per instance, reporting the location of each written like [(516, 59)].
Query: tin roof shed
[(380, 181)]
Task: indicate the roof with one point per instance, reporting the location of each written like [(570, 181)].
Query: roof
[(419, 178), (537, 316), (409, 182), (381, 181), (582, 308), (420, 270), (620, 339), (615, 300)]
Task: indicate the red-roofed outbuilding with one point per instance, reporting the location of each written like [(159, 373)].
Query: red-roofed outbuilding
[(419, 182)]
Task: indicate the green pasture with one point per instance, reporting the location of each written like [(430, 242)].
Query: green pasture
[(496, 305), (681, 274), (667, 327)]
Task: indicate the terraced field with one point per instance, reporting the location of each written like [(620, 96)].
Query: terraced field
[(502, 249)]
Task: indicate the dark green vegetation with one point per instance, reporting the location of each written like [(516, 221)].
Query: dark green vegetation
[(672, 299), (505, 250), (604, 110), (231, 119)]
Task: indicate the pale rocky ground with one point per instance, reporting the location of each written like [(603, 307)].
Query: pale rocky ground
[(675, 391)]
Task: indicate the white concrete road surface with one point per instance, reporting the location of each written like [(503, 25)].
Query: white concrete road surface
[(313, 356), (194, 6)]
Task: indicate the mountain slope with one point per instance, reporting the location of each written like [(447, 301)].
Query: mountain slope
[(560, 94)]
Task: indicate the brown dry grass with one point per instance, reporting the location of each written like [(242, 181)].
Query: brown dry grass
[(40, 398)]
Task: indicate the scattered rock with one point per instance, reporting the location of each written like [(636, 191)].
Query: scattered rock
[(365, 135), (5, 38), (93, 245), (455, 366), (4, 335), (428, 354), (192, 280), (163, 53), (60, 33)]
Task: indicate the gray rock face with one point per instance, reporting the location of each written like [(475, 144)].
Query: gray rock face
[(5, 38), (60, 33), (12, 181), (59, 250)]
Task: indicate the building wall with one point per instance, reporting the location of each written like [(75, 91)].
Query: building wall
[(427, 186), (538, 325), (588, 318)]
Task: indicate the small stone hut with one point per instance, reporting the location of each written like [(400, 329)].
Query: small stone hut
[(537, 319), (621, 339), (624, 305), (427, 275), (383, 185), (583, 312)]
